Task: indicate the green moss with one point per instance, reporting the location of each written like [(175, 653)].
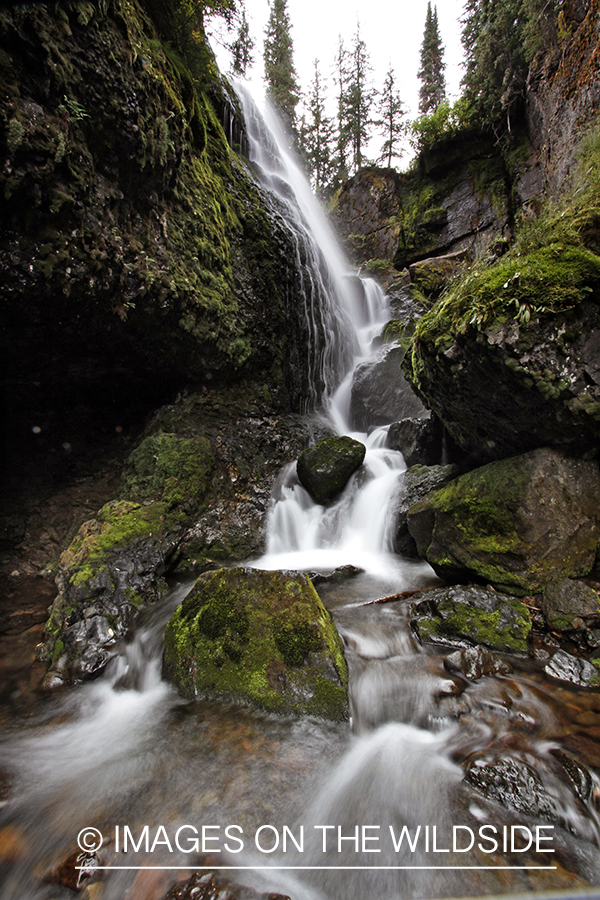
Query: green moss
[(257, 636), (119, 524), (173, 469)]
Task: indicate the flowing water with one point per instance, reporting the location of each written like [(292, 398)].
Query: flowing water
[(378, 808)]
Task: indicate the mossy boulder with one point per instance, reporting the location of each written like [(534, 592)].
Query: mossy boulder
[(113, 566), (258, 637), (171, 468), (473, 615), (325, 469), (415, 484), (517, 523)]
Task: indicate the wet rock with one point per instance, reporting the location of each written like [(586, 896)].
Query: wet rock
[(514, 784), (339, 575), (570, 605), (415, 484), (518, 523), (381, 393), (419, 439), (407, 305), (577, 774), (475, 662), (325, 469), (565, 667), (74, 871), (472, 615), (258, 637), (214, 886)]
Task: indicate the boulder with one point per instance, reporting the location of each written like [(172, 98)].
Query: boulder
[(418, 438), (458, 616), (325, 469), (434, 274), (258, 637), (415, 484), (570, 605), (515, 785), (380, 392), (518, 523)]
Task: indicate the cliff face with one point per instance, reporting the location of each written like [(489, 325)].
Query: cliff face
[(137, 255)]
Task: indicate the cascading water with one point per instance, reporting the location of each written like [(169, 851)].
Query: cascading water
[(385, 797)]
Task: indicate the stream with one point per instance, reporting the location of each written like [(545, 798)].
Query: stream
[(376, 808)]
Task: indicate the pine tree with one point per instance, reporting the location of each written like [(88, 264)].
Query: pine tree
[(242, 48), (342, 142), (280, 73), (391, 124), (431, 73), (318, 136), (356, 101)]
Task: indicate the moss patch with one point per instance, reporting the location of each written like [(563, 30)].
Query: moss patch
[(175, 470)]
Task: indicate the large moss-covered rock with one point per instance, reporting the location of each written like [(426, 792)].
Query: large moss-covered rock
[(509, 359), (517, 523), (258, 637), (174, 469), (113, 566), (570, 605), (325, 469), (415, 484), (475, 615)]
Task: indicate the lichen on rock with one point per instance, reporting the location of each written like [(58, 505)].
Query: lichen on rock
[(263, 638)]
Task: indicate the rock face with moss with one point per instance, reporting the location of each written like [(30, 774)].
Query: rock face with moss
[(472, 615), (325, 469), (113, 567), (258, 637), (517, 523)]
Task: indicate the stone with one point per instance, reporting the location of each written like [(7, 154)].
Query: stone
[(415, 484), (325, 469), (380, 392), (514, 784), (418, 438), (570, 605), (258, 637), (565, 667), (475, 662), (459, 616), (517, 523), (75, 870), (215, 886)]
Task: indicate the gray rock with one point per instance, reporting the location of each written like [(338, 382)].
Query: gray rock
[(380, 392), (570, 605), (418, 438), (475, 662), (514, 784), (565, 667)]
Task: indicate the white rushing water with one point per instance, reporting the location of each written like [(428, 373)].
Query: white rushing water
[(358, 528)]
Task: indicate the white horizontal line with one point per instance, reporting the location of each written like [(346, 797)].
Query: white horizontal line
[(298, 868)]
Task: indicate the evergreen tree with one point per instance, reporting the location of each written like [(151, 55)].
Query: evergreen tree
[(242, 48), (280, 73), (431, 73), (391, 125), (357, 99), (342, 143), (317, 136)]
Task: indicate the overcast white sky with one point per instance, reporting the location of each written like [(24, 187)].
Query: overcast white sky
[(392, 31)]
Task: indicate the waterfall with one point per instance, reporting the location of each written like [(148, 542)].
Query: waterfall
[(343, 314)]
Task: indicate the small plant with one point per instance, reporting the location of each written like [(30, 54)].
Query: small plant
[(73, 110), (14, 136)]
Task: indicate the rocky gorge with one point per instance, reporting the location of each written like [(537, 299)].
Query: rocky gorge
[(167, 379)]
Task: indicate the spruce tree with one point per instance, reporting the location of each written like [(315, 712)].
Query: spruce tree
[(242, 48), (390, 124), (318, 136), (431, 73), (342, 142), (357, 100), (280, 73)]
